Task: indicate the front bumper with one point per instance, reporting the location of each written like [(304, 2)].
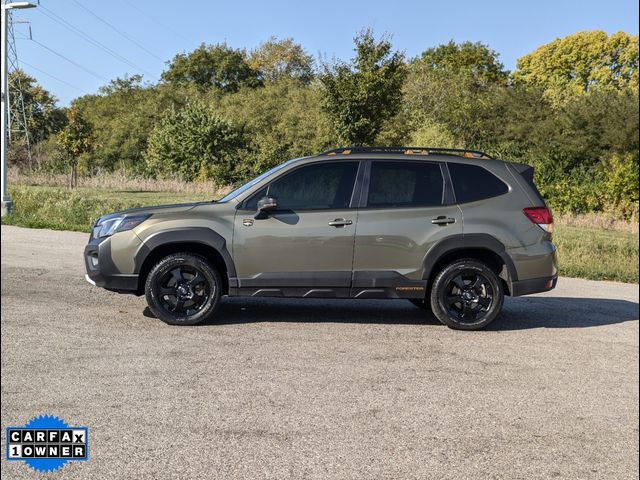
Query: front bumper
[(102, 272)]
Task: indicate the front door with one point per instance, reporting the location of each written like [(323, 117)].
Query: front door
[(305, 246), (406, 210)]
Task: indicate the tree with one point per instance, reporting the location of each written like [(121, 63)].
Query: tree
[(123, 115), (281, 121), (42, 115), (75, 140), (193, 143), (277, 59), (124, 84), (449, 90), (580, 63), (364, 93), (212, 66), (474, 60)]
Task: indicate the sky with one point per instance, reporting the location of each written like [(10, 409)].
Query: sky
[(79, 45)]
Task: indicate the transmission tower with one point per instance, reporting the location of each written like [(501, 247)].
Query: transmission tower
[(18, 117)]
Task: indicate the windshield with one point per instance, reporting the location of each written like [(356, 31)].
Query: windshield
[(251, 183)]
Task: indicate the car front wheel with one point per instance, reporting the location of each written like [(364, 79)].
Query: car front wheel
[(467, 295), (183, 289)]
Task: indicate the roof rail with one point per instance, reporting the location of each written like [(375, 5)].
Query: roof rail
[(409, 151)]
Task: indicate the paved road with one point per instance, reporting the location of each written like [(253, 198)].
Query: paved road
[(318, 389)]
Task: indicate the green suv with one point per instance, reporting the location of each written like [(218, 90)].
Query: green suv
[(452, 231)]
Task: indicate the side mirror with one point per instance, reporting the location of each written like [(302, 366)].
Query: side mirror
[(265, 205)]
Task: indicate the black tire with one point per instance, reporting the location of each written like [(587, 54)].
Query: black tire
[(420, 303), (183, 289), (467, 295)]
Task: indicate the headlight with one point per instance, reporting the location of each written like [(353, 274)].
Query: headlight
[(108, 225)]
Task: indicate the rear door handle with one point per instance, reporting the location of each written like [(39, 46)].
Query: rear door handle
[(442, 220), (340, 222)]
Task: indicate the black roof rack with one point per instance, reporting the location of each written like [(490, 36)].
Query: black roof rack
[(409, 151)]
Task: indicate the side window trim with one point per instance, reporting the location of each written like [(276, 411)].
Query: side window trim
[(366, 179), (354, 196), (449, 192), (448, 196)]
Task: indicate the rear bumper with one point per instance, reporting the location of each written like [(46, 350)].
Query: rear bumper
[(101, 270), (536, 268), (534, 285)]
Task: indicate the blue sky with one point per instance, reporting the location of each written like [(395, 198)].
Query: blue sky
[(144, 34)]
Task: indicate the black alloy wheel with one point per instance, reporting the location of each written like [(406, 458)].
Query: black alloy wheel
[(467, 295), (183, 289)]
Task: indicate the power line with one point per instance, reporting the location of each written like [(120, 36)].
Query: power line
[(85, 36), (71, 61), (153, 20), (118, 31), (52, 76)]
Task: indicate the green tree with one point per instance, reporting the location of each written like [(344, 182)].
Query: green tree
[(582, 62), (43, 116), (123, 115), (75, 139), (475, 60), (43, 119), (283, 120), (124, 84), (620, 185), (193, 143), (279, 59), (212, 66), (364, 93), (448, 93)]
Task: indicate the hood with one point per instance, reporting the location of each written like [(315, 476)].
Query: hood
[(171, 208)]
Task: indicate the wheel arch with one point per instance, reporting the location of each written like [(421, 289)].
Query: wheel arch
[(483, 247), (199, 240)]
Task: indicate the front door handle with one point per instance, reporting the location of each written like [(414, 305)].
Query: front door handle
[(340, 222), (442, 220)]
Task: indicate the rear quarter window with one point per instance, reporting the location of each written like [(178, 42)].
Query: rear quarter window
[(471, 183)]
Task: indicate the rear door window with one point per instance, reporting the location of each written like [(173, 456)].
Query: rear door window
[(472, 182), (405, 184)]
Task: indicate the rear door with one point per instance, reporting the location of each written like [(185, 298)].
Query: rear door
[(407, 206)]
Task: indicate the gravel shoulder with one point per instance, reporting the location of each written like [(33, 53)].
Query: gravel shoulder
[(318, 388)]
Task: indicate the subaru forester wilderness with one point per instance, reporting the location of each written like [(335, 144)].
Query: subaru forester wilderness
[(450, 230)]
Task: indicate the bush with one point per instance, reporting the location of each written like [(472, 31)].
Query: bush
[(193, 143), (620, 182)]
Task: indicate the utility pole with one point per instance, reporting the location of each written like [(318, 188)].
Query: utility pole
[(7, 204)]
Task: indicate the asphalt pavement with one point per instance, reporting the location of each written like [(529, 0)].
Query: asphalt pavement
[(317, 388)]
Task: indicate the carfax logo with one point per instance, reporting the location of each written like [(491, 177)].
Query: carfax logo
[(47, 443)]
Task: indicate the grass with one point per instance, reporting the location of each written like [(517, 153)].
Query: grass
[(594, 247), (64, 209), (597, 254), (112, 181)]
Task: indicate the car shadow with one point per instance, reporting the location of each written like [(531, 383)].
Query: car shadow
[(518, 313), (563, 312)]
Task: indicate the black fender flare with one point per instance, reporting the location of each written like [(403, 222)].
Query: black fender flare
[(201, 235), (482, 241)]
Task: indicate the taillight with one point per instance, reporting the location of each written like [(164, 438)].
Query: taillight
[(541, 216)]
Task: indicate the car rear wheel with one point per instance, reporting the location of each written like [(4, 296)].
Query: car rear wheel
[(467, 295), (183, 289)]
